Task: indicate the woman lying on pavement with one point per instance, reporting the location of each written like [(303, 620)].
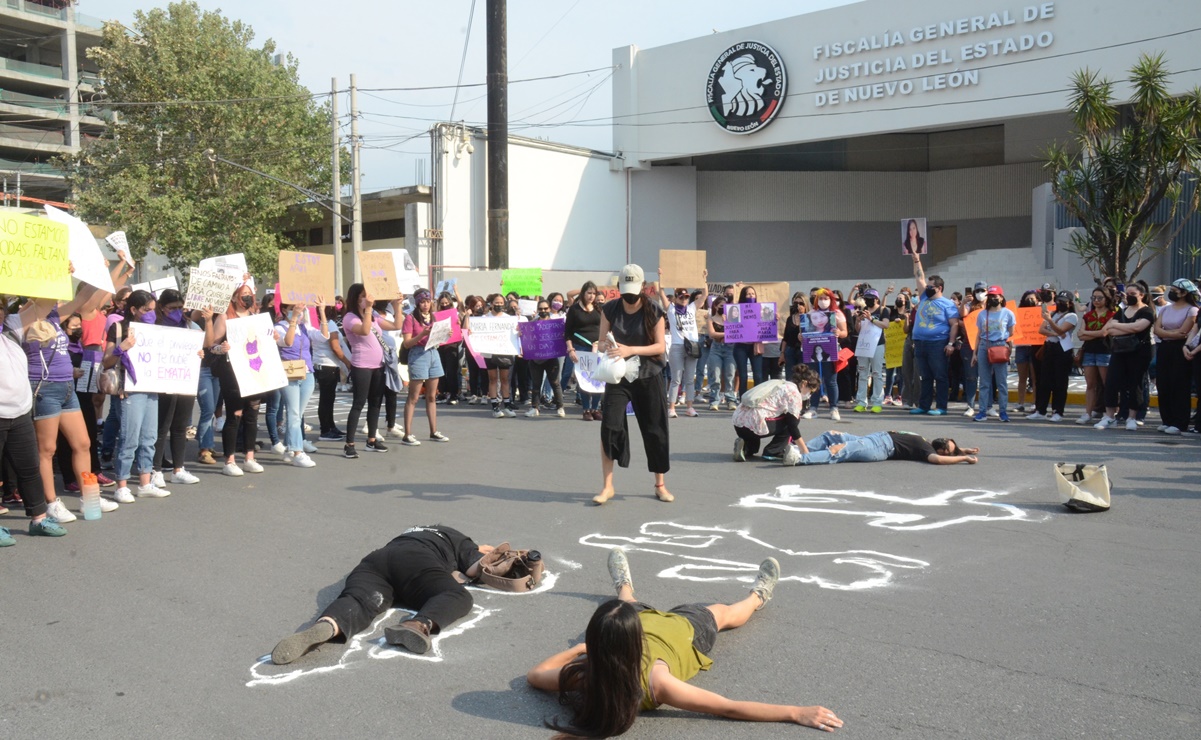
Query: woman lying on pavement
[(835, 447)]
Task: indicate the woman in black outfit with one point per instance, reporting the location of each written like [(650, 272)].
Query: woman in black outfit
[(1129, 358), (241, 412), (582, 331), (637, 325)]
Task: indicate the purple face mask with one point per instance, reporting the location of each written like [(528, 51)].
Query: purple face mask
[(148, 317), (175, 316), (556, 305)]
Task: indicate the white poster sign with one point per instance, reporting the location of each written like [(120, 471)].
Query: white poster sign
[(585, 366), (85, 255), (527, 307), (439, 334), (120, 245), (253, 354), (491, 335), (210, 288), (158, 286), (869, 339), (165, 359), (230, 264)]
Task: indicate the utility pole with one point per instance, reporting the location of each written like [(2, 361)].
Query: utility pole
[(339, 286), (498, 138), (356, 181)]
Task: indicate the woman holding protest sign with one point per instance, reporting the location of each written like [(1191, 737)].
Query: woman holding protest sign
[(242, 412), (498, 366), (748, 353), (721, 358), (825, 318), (174, 410), (425, 367), (634, 327), (546, 370), (451, 352), (362, 327), (582, 332), (295, 347)]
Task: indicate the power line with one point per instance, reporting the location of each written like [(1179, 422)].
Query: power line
[(463, 61)]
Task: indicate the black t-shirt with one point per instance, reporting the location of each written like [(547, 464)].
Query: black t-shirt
[(628, 328), (584, 323), (909, 446), (453, 547), (1144, 336), (792, 332)]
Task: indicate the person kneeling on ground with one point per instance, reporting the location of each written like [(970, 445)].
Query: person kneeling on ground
[(423, 569), (772, 409), (835, 447), (635, 658)]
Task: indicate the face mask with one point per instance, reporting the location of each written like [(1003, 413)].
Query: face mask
[(869, 302), (1131, 298), (556, 305), (338, 306), (498, 309), (176, 316), (931, 291), (900, 304), (148, 317), (544, 312), (247, 301), (823, 304), (1174, 295), (993, 301), (1061, 306), (630, 299), (76, 335), (729, 297), (980, 295)]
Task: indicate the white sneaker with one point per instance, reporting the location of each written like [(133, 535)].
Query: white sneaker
[(810, 414), (156, 479), (152, 491), (57, 511), (183, 476), (1035, 416), (1085, 418), (1131, 425), (308, 428), (364, 430), (230, 469), (252, 466), (396, 430), (279, 448), (792, 455), (1106, 422), (1161, 428), (834, 415), (497, 413), (1172, 430), (561, 413), (970, 411), (124, 496), (1054, 418), (994, 414), (410, 441), (302, 460), (309, 446), (107, 506), (532, 412)]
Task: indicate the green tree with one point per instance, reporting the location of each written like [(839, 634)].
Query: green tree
[(1129, 174), (182, 82)]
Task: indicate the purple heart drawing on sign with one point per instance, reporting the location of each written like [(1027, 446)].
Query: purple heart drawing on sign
[(256, 363), (252, 347)]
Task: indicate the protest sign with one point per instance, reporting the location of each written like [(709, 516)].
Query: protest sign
[(682, 268), (523, 281), (446, 286), (869, 339), (408, 280), (165, 359), (585, 366), (86, 257), (969, 329), (818, 347), (306, 277), (230, 264), (1029, 320), (90, 366), (495, 335), (527, 308), (140, 286), (751, 322), (777, 293), (34, 256), (476, 356), (439, 333), (456, 331), (894, 345), (120, 245), (253, 355), (543, 340), (209, 289), (379, 274), (167, 283)]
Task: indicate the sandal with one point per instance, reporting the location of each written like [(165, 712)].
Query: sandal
[(666, 498), (601, 498)]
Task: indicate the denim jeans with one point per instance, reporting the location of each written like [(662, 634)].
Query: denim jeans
[(829, 383), (683, 372), (743, 354), (971, 375), (871, 368), (930, 363), (871, 448), (991, 377), (793, 356), (294, 398), (139, 430), (112, 428), (272, 415), (701, 364), (207, 394), (721, 367)]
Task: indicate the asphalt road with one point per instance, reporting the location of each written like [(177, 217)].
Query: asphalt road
[(918, 601)]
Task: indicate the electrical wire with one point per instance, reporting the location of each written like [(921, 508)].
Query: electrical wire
[(463, 61)]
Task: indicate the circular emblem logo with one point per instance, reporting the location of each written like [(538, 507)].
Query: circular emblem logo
[(746, 87)]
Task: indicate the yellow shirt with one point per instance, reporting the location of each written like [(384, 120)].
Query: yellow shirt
[(668, 637)]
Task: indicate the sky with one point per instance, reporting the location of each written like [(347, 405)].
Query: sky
[(409, 44)]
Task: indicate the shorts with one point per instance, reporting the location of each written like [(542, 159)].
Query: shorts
[(53, 398), (704, 624), (1095, 359), (1022, 354), (498, 362), (424, 364)]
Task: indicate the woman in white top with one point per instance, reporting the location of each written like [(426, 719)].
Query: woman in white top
[(1052, 387), (681, 321)]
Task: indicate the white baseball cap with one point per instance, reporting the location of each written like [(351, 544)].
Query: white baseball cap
[(631, 280)]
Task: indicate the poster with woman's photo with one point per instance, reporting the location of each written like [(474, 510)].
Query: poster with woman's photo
[(913, 236)]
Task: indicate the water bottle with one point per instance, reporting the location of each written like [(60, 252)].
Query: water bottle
[(90, 489)]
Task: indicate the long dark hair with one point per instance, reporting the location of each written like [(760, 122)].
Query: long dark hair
[(353, 295), (604, 688), (742, 293), (588, 285)]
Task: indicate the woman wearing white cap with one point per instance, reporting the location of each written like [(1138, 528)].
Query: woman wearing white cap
[(637, 327)]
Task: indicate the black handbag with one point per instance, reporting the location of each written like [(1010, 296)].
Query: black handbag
[(691, 349), (1123, 343)]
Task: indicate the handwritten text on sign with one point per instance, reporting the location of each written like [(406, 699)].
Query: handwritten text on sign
[(33, 257), (543, 340), (165, 359), (750, 322), (305, 277), (495, 336), (210, 288)]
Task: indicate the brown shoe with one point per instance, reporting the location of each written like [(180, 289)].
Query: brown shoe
[(206, 458), (587, 415), (411, 634)]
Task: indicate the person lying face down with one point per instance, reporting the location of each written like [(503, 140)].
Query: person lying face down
[(835, 447), (423, 570)]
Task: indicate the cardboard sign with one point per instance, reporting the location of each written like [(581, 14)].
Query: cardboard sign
[(86, 257), (120, 245), (894, 345), (34, 256), (379, 273), (230, 264), (777, 293), (253, 355), (543, 340), (495, 335), (751, 322), (305, 277), (456, 331), (869, 339), (1029, 320), (167, 283), (209, 289), (166, 359), (818, 347), (682, 268), (523, 281), (585, 366)]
